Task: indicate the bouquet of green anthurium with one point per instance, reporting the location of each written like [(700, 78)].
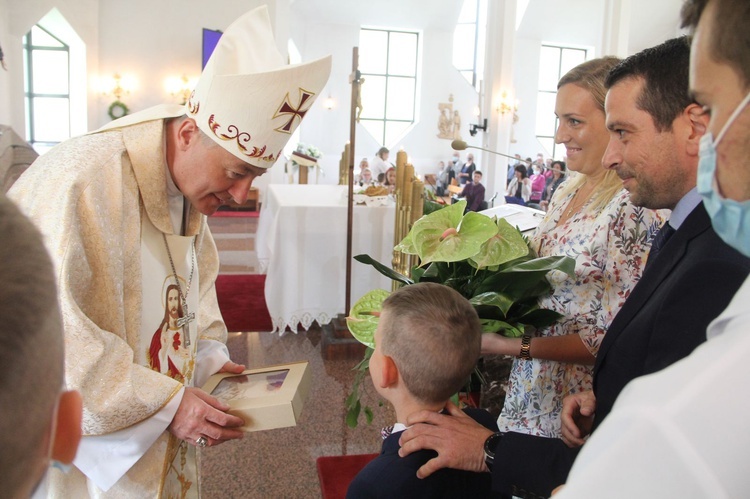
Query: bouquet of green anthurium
[(485, 259)]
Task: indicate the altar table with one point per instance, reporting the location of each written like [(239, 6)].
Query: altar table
[(301, 246)]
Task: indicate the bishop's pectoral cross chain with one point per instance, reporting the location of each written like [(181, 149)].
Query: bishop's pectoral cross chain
[(187, 316)]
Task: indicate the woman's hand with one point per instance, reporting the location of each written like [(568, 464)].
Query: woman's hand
[(494, 343)]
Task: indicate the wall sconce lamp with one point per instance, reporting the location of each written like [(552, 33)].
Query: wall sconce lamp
[(117, 86), (474, 127), (506, 104), (329, 103), (180, 87)]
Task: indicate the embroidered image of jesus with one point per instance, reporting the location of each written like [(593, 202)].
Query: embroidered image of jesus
[(166, 342)]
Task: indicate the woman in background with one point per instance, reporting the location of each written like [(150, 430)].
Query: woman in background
[(590, 219), (557, 170), (519, 188)]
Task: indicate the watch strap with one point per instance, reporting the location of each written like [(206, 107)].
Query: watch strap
[(525, 353)]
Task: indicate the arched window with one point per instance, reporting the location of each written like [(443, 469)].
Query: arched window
[(47, 88)]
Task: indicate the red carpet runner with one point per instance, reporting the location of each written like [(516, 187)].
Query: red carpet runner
[(242, 302), (236, 214)]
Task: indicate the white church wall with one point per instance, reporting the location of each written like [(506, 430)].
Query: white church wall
[(16, 19), (154, 40)]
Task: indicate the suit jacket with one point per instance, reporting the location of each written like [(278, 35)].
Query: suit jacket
[(389, 476), (665, 317)]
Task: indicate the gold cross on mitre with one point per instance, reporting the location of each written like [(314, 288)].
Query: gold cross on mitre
[(287, 108)]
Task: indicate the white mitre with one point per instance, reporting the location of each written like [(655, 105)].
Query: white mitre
[(246, 99)]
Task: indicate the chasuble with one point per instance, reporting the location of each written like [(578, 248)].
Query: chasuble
[(102, 204)]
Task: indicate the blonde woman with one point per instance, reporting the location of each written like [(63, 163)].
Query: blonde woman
[(590, 219)]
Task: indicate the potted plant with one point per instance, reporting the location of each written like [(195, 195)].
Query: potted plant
[(304, 157), (485, 259)]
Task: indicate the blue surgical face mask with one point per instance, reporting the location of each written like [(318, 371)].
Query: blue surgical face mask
[(730, 218)]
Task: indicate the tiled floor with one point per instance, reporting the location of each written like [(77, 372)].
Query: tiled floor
[(235, 240), (281, 463)]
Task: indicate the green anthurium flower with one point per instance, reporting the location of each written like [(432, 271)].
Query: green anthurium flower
[(508, 244), (364, 316), (448, 235)]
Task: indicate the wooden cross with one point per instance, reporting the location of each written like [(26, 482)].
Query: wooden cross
[(355, 79)]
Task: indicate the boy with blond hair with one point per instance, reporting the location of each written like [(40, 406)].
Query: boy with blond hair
[(426, 345)]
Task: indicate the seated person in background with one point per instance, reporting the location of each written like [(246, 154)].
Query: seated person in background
[(381, 179), (426, 345), (538, 182), (38, 423), (365, 178), (390, 179), (512, 168), (558, 177), (363, 165), (474, 193), (519, 188)]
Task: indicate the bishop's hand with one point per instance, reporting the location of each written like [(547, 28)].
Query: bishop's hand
[(201, 415)]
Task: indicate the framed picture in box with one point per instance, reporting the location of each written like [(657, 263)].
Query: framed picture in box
[(266, 398)]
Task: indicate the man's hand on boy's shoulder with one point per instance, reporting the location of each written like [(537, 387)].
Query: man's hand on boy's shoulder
[(457, 438)]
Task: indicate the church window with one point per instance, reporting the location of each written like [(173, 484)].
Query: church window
[(469, 41), (47, 88), (554, 62), (389, 64)]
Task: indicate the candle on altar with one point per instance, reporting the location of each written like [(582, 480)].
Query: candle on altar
[(417, 206), (400, 168), (407, 185)]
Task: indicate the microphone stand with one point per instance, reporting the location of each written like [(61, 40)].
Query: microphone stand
[(460, 145)]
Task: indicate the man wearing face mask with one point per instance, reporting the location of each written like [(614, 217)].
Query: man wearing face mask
[(682, 432), (38, 423)]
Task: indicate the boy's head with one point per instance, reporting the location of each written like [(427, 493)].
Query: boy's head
[(37, 422), (427, 341)]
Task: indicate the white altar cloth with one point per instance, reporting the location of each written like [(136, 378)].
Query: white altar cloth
[(301, 246)]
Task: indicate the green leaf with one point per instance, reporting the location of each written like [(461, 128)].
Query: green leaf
[(493, 299), (368, 414), (352, 415), (443, 237), (432, 206), (540, 317), (364, 315), (516, 278), (507, 245), (505, 328), (407, 245), (386, 271)]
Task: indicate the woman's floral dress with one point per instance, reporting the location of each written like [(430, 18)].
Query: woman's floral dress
[(610, 249)]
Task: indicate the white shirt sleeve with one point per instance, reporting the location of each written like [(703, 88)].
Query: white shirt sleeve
[(212, 355)]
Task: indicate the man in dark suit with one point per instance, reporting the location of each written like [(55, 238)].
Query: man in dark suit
[(691, 276)]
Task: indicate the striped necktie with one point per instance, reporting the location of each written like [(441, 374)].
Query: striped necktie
[(659, 241)]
